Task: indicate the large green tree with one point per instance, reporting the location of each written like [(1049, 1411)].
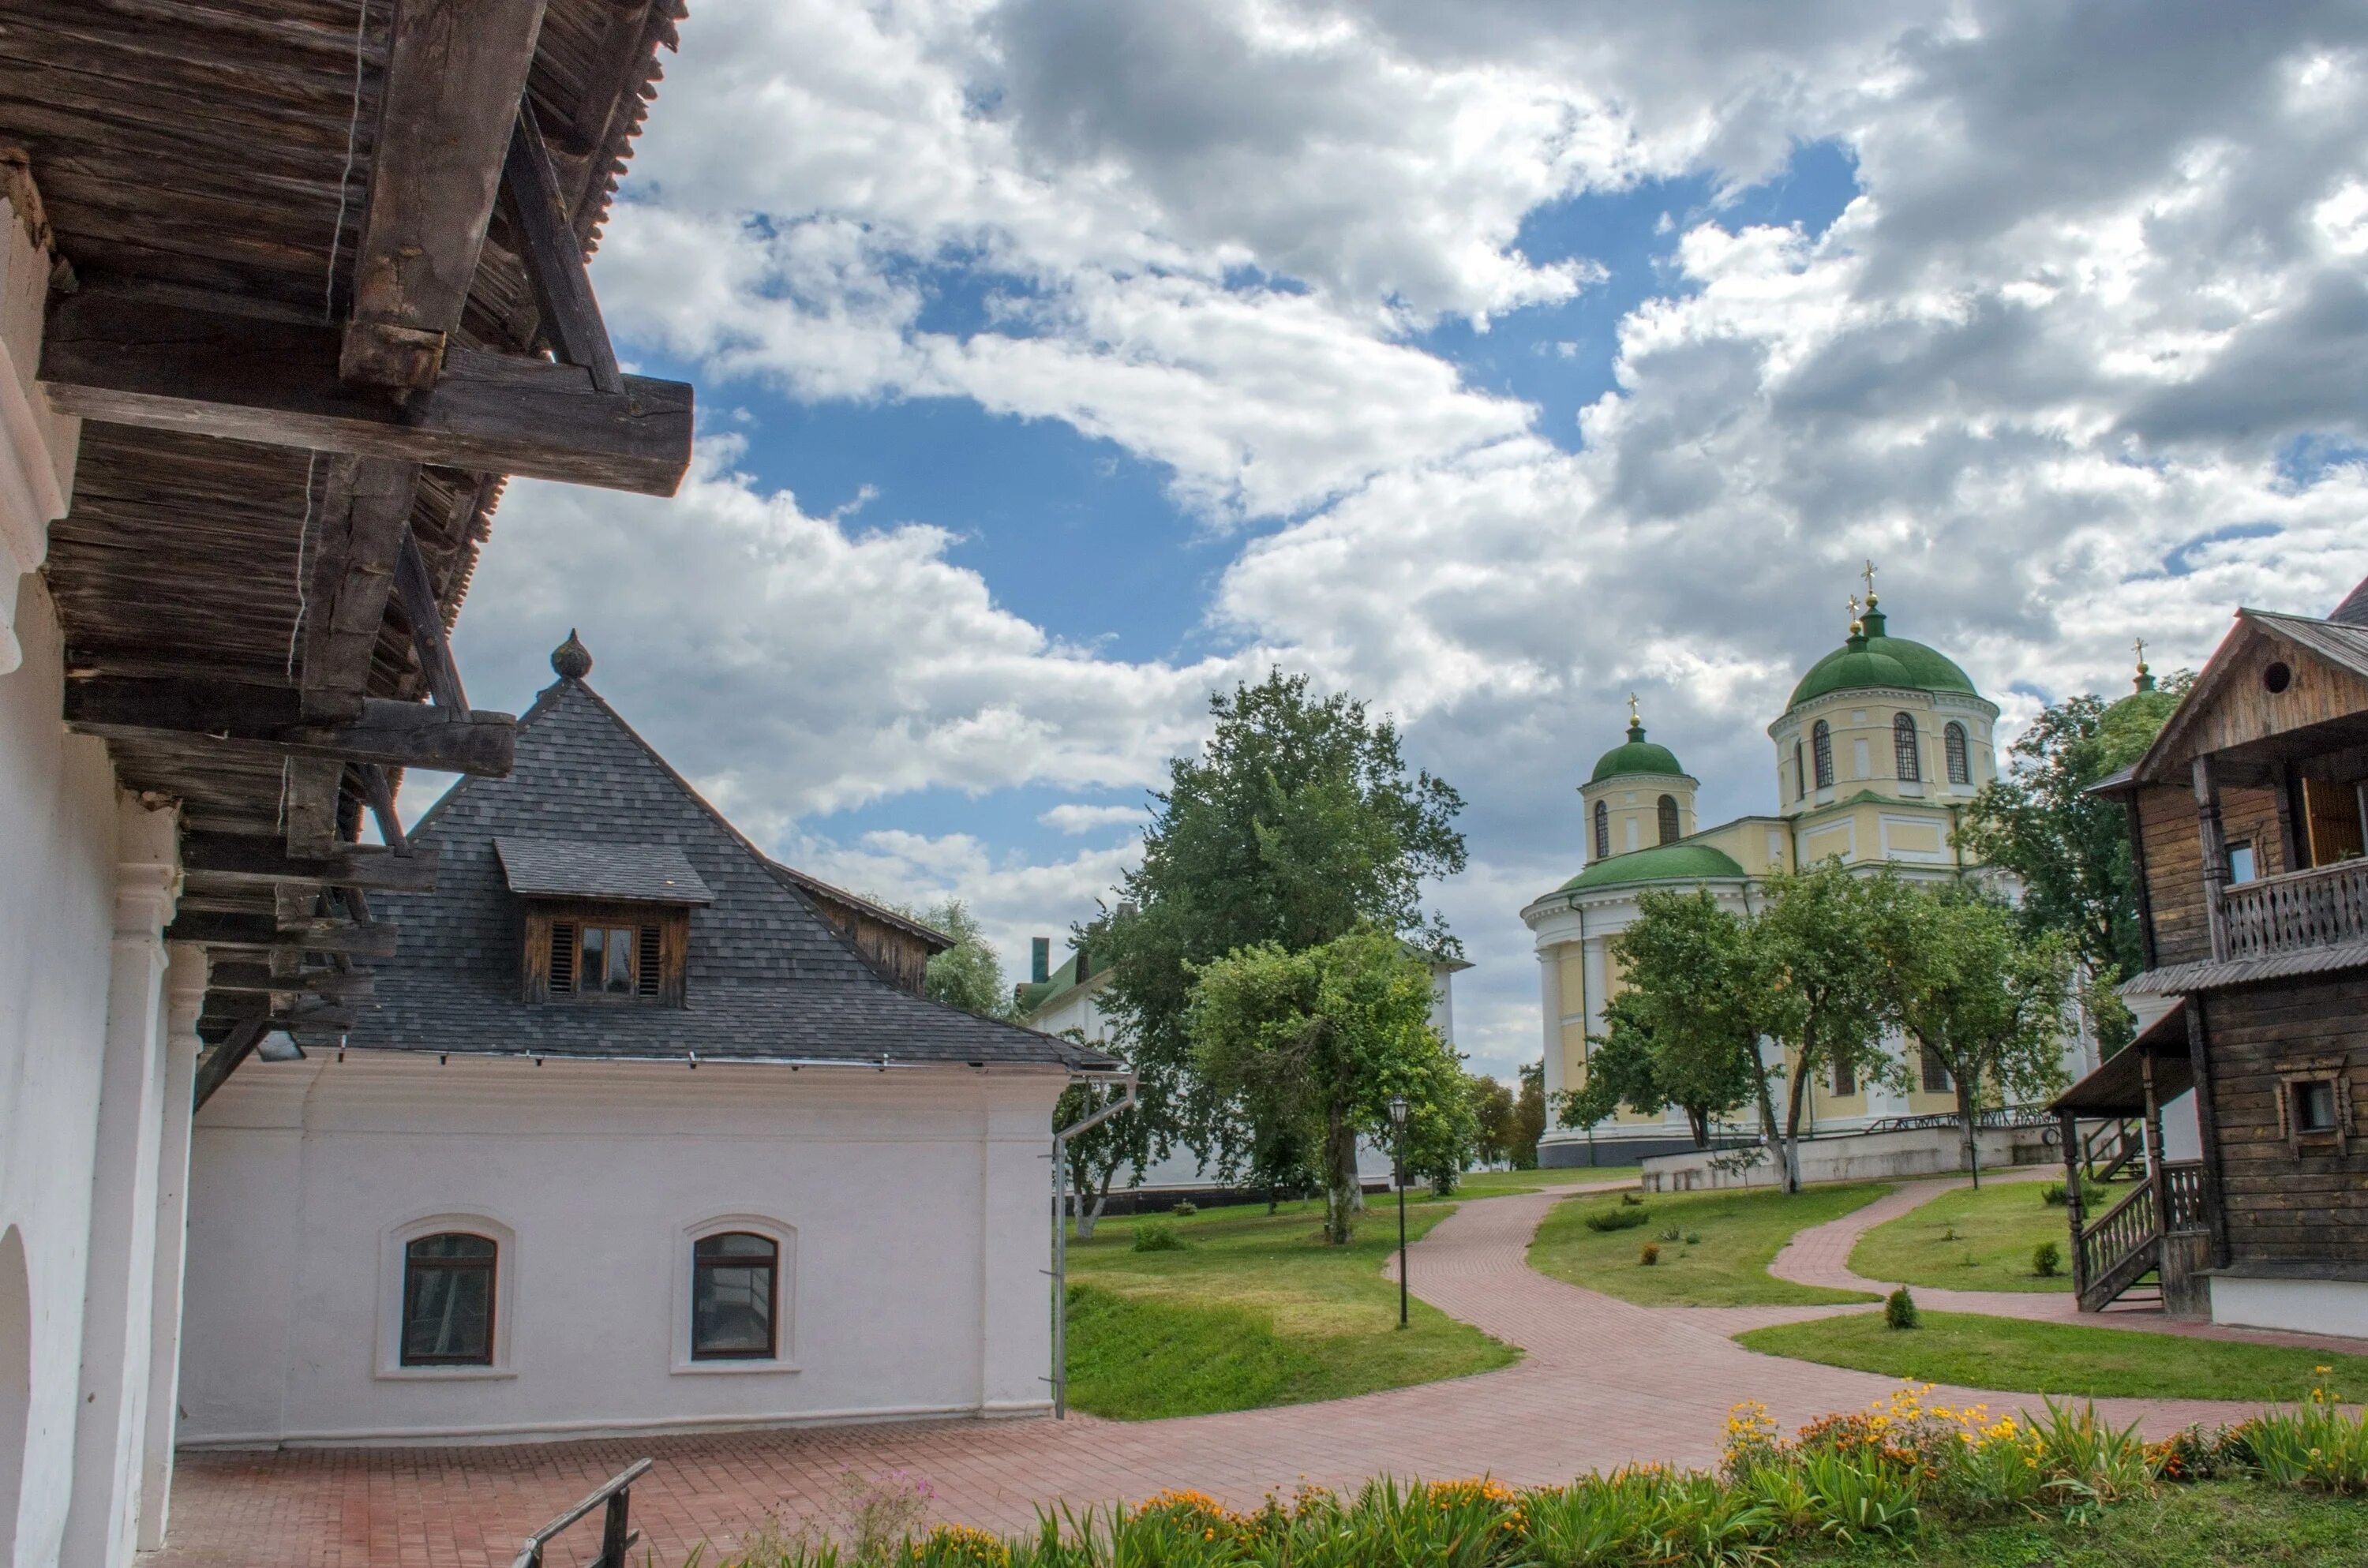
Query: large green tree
[(1297, 823), (1528, 1116), (1985, 996), (1321, 1039), (1495, 1115), (1820, 939), (2070, 850), (1686, 1027)]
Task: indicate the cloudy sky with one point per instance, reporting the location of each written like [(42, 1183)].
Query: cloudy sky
[(1059, 361)]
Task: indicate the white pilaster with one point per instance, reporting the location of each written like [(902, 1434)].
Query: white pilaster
[(185, 990), (37, 446), (111, 1417), (1550, 1001)]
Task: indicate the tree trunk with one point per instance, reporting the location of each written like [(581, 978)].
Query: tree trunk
[(1972, 1149), (1088, 1218), (1766, 1103), (1698, 1123), (1796, 1094), (1341, 1194)]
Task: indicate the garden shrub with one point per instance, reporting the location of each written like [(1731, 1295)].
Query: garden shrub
[(1184, 1209), (1629, 1200), (1899, 1308), (1871, 1481), (1693, 1238), (2091, 1194), (1671, 1234), (2047, 1260), (1617, 1219), (1649, 1254), (1153, 1235)]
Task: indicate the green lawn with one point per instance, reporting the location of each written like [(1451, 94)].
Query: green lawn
[(1740, 1233), (1491, 1183), (2065, 1359), (2212, 1526), (1972, 1240), (1255, 1310)]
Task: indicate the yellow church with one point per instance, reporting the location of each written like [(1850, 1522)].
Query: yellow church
[(1881, 747)]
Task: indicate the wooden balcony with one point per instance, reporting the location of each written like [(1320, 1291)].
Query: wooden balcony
[(2270, 915)]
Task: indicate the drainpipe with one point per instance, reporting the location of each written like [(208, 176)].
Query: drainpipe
[(1060, 1269)]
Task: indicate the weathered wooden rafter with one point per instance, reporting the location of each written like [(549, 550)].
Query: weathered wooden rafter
[(263, 933), (553, 257), (455, 70), (404, 734), (357, 535), (414, 590), (265, 979), (223, 1058), (217, 366), (242, 860)]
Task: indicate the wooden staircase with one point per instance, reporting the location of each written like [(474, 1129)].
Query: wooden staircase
[(2120, 1255), (2112, 1147)]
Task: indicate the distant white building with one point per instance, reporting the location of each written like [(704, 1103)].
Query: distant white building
[(1059, 1000)]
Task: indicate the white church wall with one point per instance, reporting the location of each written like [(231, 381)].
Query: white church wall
[(913, 1203)]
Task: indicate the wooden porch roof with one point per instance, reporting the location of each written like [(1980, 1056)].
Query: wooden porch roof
[(312, 307), (2118, 1085)]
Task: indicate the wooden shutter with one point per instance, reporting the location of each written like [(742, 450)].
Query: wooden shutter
[(645, 962), (563, 957)]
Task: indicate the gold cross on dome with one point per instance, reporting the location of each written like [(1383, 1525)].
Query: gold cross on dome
[(1633, 720), (1868, 573), (1852, 602), (2138, 647)]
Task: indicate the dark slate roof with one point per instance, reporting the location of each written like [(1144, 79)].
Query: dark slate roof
[(581, 868), (767, 977)]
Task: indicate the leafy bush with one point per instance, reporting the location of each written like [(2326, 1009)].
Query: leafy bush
[(1649, 1254), (2047, 1260), (1693, 1238), (1623, 1219), (1870, 1482), (2092, 1194), (1671, 1234), (1629, 1200), (1184, 1209), (1898, 1308), (1153, 1235)]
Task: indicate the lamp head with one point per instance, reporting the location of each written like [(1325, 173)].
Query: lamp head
[(1398, 1111)]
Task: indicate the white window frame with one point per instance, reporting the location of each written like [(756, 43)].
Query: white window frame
[(784, 1237), (389, 1329)]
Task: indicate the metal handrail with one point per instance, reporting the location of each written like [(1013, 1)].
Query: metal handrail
[(615, 1536)]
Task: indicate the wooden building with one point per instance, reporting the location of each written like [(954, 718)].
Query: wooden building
[(2248, 833), (287, 288)]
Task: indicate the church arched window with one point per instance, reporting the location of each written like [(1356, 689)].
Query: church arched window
[(1800, 774), (1952, 748), (1669, 834), (1603, 831), (1821, 742), (1904, 754)]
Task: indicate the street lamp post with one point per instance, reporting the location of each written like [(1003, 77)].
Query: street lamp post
[(1398, 1124)]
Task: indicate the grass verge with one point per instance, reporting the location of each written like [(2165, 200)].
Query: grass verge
[(1970, 1240), (2207, 1526), (1739, 1233), (1253, 1311), (2068, 1361)]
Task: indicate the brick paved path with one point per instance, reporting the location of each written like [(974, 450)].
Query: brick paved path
[(1603, 1383), (1820, 1255)]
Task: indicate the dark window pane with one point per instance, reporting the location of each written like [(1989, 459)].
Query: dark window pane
[(734, 1279), (2314, 1106), (448, 1301), (1906, 758), (1952, 743), (1821, 744), (1668, 819)]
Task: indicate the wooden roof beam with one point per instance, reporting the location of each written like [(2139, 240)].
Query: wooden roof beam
[(404, 734), (553, 257), (455, 72), (217, 366), (415, 588), (241, 859), (225, 1058), (262, 933), (357, 534), (262, 980)]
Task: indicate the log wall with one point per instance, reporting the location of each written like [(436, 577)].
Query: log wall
[(2289, 1201)]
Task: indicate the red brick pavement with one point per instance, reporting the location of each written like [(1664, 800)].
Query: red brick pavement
[(1820, 1255), (1603, 1383)]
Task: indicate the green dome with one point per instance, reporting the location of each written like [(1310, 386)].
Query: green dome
[(1877, 659), (1662, 863), (1638, 755)]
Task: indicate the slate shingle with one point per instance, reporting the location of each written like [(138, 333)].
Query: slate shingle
[(571, 868), (767, 977)]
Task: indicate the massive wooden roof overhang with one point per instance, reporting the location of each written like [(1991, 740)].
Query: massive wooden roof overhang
[(319, 287)]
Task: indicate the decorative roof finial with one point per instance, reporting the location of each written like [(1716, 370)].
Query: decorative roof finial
[(572, 659), (1857, 627), (1868, 573), (1633, 720), (2145, 681)]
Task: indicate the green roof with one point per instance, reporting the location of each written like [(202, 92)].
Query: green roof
[(1662, 863), (1878, 659), (1638, 755), (1034, 996)]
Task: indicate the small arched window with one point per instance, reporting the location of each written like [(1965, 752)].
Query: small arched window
[(1821, 742), (1668, 819), (1906, 758), (1800, 774), (448, 1301), (734, 1297), (1952, 750), (1603, 831)]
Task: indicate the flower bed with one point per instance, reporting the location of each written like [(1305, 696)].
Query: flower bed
[(1877, 1477)]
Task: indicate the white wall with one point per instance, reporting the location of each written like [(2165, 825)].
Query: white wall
[(57, 890), (916, 1199)]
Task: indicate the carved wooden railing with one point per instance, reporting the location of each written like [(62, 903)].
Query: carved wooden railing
[(2302, 909), (2125, 1244)]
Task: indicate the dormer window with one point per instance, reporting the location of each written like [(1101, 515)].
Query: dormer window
[(603, 922)]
